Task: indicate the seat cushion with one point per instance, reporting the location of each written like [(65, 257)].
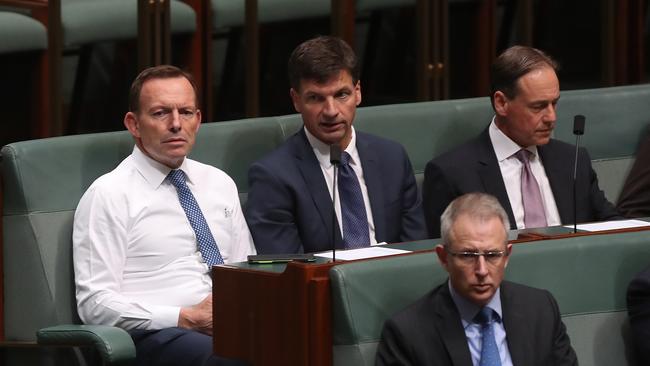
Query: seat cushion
[(19, 33), (89, 21)]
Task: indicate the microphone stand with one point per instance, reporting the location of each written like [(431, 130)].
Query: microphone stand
[(578, 130), (335, 159)]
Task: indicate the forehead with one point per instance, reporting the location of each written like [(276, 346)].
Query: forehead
[(173, 91), (338, 81), (473, 233), (541, 83)]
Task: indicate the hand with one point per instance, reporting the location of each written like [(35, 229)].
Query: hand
[(197, 317)]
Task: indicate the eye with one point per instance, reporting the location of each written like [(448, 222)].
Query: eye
[(186, 113), (160, 114), (343, 95), (468, 255)]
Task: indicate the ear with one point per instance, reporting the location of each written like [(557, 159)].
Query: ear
[(295, 98), (357, 92), (442, 255), (199, 119), (131, 124), (508, 251), (500, 103)]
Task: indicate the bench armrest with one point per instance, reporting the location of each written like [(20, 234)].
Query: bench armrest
[(114, 344)]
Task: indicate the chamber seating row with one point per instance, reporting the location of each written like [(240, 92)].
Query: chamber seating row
[(43, 180)]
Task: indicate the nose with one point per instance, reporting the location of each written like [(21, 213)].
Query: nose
[(175, 122), (549, 115), (481, 267), (330, 109)]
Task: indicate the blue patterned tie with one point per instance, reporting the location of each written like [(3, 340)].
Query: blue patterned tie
[(489, 350), (353, 210), (205, 240)]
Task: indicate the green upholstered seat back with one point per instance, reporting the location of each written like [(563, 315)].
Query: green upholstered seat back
[(43, 181), (587, 275), (19, 32)]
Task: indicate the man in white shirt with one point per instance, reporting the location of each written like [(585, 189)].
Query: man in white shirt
[(515, 159), (144, 243)]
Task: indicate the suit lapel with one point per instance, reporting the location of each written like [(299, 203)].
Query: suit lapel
[(559, 179), (315, 183), (490, 173), (373, 179), (451, 327), (515, 324)]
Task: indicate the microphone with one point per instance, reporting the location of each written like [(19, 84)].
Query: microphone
[(335, 159), (578, 130)]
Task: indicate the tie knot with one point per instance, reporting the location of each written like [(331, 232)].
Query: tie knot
[(523, 155), (485, 316), (177, 177), (345, 158)]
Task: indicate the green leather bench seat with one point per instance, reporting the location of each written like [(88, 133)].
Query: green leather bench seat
[(19, 32), (587, 275)]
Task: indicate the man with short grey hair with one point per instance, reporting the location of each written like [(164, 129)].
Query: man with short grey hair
[(475, 318)]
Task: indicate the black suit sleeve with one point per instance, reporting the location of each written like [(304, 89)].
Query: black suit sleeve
[(562, 352), (393, 349), (638, 304), (634, 200), (270, 213), (437, 193), (412, 225)]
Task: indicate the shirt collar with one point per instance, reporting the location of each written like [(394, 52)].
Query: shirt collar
[(322, 150), (468, 309), (503, 146), (154, 172)]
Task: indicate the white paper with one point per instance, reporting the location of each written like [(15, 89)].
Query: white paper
[(610, 225), (363, 253)]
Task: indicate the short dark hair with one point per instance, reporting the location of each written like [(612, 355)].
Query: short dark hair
[(320, 59), (157, 72), (514, 63)]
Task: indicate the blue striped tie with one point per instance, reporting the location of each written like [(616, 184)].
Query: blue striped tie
[(353, 210), (205, 240), (489, 350)]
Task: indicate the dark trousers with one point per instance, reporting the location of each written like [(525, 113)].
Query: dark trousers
[(176, 347)]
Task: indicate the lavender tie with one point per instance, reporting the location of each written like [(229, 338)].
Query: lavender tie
[(531, 197)]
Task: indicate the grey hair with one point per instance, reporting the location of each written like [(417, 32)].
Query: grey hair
[(479, 206)]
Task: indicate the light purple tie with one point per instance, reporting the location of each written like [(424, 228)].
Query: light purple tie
[(531, 197)]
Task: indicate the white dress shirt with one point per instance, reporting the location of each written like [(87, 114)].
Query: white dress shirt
[(136, 259), (322, 152), (510, 166)]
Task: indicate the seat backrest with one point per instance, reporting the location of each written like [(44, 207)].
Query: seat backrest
[(587, 275)]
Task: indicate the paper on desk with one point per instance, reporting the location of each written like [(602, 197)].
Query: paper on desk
[(610, 225), (370, 252)]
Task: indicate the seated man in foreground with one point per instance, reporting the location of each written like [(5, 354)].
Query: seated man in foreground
[(147, 234), (474, 318), (289, 207)]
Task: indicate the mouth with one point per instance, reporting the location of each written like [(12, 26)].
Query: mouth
[(174, 140), (332, 126), (482, 287)]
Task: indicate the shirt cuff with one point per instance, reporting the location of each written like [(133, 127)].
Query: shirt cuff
[(164, 316)]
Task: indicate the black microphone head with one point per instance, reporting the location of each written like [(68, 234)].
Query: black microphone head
[(579, 124), (335, 154)]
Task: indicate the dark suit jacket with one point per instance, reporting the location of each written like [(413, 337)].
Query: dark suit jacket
[(634, 200), (289, 208), (430, 331), (638, 305), (473, 167)]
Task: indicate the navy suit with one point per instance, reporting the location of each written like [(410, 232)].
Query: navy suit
[(430, 331), (638, 307), (473, 167), (289, 208)]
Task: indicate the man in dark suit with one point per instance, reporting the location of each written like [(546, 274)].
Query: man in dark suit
[(475, 318), (638, 305), (515, 159), (289, 208)]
